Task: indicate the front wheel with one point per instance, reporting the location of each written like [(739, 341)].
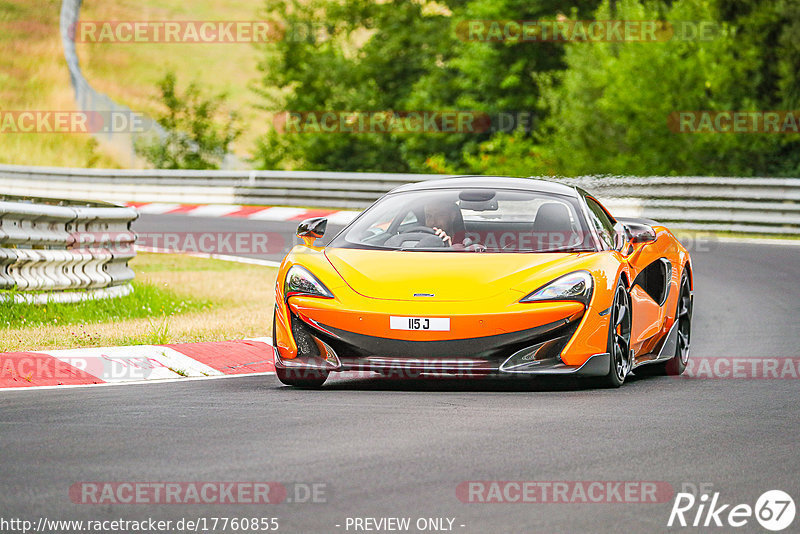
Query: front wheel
[(302, 378), (677, 364), (619, 340)]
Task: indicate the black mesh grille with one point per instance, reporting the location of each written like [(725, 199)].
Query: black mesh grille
[(303, 338)]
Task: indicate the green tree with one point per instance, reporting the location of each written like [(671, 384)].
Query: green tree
[(198, 133), (600, 108), (356, 55), (487, 75), (607, 112), (398, 55), (766, 31)]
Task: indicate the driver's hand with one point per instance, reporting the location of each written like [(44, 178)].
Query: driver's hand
[(443, 235)]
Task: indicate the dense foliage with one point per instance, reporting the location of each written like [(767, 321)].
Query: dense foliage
[(586, 107)]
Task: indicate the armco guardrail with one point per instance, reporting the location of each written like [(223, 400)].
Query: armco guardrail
[(746, 205), (287, 188), (52, 252), (750, 205)]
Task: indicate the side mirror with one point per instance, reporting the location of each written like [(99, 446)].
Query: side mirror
[(637, 234), (641, 233), (310, 229)]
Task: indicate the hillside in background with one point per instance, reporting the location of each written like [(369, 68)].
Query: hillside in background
[(34, 75), (578, 106)]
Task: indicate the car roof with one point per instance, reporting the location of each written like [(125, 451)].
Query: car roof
[(495, 182)]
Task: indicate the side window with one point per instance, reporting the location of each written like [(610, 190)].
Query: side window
[(377, 228), (604, 226), (409, 220)]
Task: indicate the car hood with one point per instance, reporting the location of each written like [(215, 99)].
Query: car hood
[(448, 276)]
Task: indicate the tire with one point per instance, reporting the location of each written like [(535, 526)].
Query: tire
[(683, 314), (619, 340), (302, 378)]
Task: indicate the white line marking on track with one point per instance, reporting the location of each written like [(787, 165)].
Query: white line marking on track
[(132, 363), (213, 210), (157, 208), (277, 214), (342, 217)]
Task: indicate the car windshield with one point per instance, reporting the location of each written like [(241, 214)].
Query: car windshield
[(472, 220)]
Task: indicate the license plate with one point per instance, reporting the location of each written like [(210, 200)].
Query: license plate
[(440, 324)]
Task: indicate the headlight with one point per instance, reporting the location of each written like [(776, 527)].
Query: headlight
[(299, 281), (574, 286)]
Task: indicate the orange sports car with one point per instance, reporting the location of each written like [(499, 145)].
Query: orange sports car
[(475, 276)]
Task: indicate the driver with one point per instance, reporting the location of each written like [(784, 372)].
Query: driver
[(441, 216)]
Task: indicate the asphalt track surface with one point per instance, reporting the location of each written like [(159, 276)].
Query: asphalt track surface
[(390, 448)]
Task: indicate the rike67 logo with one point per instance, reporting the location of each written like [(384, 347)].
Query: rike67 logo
[(774, 510)]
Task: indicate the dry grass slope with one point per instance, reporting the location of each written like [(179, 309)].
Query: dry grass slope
[(34, 75), (238, 301)]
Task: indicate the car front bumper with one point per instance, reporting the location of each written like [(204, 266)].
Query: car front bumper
[(531, 351)]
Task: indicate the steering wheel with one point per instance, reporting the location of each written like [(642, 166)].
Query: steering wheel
[(423, 237), (419, 229)]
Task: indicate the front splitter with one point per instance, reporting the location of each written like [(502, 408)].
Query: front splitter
[(595, 365)]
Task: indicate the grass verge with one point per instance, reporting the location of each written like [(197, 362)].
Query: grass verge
[(176, 299), (146, 300)]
